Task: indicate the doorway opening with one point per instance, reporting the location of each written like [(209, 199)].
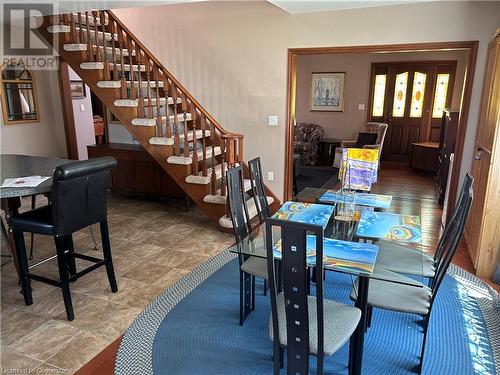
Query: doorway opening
[(407, 86)]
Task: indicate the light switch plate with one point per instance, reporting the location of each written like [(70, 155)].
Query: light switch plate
[(273, 120), (270, 176), (82, 107), (361, 107)]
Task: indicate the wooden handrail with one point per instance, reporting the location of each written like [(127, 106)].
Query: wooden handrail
[(166, 71)]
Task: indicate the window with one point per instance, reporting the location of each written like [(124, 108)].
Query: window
[(18, 95), (417, 96), (379, 95), (398, 108), (440, 95)]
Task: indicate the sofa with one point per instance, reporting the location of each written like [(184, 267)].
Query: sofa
[(306, 142)]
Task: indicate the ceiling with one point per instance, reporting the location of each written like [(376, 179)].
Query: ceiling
[(289, 6), (304, 6)]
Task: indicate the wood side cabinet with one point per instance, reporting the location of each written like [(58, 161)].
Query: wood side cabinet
[(137, 172)]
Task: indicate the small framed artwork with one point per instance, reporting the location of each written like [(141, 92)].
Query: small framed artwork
[(327, 92), (77, 89)]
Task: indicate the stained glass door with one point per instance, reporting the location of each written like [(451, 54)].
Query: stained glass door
[(409, 97)]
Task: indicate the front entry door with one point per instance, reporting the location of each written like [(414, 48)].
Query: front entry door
[(406, 103)]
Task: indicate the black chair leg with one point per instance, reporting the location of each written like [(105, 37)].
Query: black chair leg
[(23, 266), (253, 293), (282, 357), (63, 276), (265, 287), (106, 249), (70, 254), (33, 206), (241, 298), (426, 326)]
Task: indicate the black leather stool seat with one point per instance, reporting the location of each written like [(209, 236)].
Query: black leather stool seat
[(35, 221)]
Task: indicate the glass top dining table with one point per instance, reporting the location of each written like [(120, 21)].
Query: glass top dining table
[(351, 232), (350, 244)]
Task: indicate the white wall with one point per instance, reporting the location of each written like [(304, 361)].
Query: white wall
[(45, 138), (84, 124), (233, 55)]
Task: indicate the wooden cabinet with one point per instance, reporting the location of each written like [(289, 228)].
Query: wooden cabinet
[(137, 172), (483, 226), (447, 140), (424, 156)]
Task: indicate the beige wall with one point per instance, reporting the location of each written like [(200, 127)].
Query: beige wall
[(233, 55), (45, 138), (347, 124)]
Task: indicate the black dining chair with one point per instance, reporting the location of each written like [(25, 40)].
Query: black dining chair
[(79, 198), (406, 260), (305, 324), (249, 267), (258, 189), (419, 300)]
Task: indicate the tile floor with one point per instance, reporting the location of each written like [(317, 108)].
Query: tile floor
[(153, 246)]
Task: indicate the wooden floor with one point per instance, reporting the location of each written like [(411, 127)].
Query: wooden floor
[(416, 195)]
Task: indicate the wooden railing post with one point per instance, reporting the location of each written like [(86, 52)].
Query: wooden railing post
[(195, 140), (166, 90), (90, 52)]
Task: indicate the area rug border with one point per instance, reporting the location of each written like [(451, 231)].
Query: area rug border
[(135, 353)]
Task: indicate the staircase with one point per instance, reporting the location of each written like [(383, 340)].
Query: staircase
[(185, 140)]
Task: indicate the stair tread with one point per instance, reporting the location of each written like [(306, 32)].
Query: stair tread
[(163, 140), (226, 221)]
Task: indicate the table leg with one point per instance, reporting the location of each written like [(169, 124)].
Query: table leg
[(11, 207), (358, 338)]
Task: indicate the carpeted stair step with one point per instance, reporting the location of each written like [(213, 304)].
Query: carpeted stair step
[(183, 160), (92, 65), (91, 20), (164, 141), (152, 121), (225, 221), (107, 35), (83, 47), (126, 67), (56, 29), (221, 199), (205, 180)]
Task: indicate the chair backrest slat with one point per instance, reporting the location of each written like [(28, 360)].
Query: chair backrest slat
[(462, 197), (259, 191), (295, 289), (80, 193), (237, 203), (452, 237)]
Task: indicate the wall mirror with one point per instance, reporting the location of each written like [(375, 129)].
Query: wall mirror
[(19, 102)]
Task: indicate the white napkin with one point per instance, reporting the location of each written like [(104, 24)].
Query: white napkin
[(29, 181)]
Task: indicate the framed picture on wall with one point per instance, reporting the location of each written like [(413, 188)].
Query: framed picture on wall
[(327, 91), (77, 89)]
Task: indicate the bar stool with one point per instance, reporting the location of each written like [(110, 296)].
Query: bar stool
[(79, 199)]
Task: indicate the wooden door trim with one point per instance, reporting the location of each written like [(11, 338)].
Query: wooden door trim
[(469, 46), (67, 110)]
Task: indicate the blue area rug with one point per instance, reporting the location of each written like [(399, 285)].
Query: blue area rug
[(193, 329)]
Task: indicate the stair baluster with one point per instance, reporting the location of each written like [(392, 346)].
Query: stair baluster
[(222, 167), (80, 29), (185, 107), (148, 77), (213, 177), (96, 33), (142, 113), (195, 140), (203, 126), (72, 27), (159, 122), (167, 91), (113, 52), (129, 42), (107, 70), (177, 140), (123, 90), (90, 52)]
